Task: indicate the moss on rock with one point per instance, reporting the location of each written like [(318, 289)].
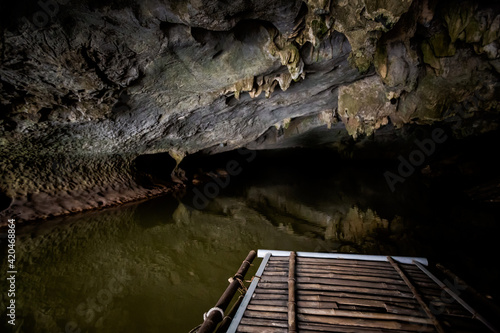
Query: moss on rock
[(364, 106), (441, 45)]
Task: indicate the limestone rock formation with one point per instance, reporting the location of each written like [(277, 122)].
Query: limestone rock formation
[(86, 87)]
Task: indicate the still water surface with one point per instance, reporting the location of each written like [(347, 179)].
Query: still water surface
[(158, 265)]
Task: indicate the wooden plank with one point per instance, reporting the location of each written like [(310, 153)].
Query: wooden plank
[(415, 292), (429, 286), (364, 315), (372, 291), (344, 266), (361, 322), (345, 262), (335, 279), (383, 298), (273, 285), (341, 313), (264, 322), (353, 268), (421, 279), (353, 283), (276, 269), (261, 296), (394, 308), (389, 308), (345, 275), (266, 315), (271, 302), (343, 301), (327, 270), (259, 329), (414, 272), (272, 291), (340, 298), (292, 319), (380, 265), (409, 268), (300, 304), (340, 269), (267, 308), (317, 305), (279, 264), (275, 273), (277, 258), (356, 277), (273, 278), (315, 327)]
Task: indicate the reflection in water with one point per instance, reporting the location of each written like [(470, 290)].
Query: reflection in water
[(342, 225), (137, 268), (157, 266)]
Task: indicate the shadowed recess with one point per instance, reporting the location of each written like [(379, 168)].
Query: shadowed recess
[(5, 201), (154, 169)]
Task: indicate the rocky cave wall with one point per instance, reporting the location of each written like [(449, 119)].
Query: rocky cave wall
[(88, 86)]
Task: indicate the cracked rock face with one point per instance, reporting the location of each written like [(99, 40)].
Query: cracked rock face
[(88, 86)]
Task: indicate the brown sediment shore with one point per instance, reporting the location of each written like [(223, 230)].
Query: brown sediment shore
[(42, 206)]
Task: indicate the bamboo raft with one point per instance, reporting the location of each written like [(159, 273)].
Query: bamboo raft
[(331, 292)]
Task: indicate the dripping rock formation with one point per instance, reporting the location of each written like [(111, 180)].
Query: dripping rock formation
[(89, 88)]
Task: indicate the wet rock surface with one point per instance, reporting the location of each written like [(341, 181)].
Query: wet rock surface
[(98, 84)]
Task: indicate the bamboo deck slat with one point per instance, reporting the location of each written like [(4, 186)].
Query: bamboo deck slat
[(309, 295)]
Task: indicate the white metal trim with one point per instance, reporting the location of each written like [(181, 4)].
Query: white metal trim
[(457, 298), (403, 260), (248, 296)]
